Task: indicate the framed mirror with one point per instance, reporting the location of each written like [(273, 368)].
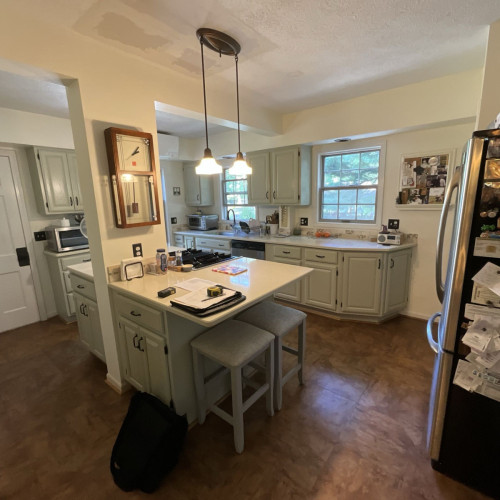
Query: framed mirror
[(133, 177)]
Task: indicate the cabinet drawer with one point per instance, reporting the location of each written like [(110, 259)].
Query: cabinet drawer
[(83, 286), (287, 252), (139, 313), (214, 243), (320, 255)]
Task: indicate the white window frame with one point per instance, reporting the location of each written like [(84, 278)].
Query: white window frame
[(223, 205), (342, 148)]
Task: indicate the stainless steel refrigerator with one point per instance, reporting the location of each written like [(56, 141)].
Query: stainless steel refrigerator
[(464, 427)]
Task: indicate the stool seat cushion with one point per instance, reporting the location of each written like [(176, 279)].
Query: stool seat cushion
[(232, 343), (274, 318)]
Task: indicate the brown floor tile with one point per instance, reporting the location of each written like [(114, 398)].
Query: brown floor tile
[(354, 430)]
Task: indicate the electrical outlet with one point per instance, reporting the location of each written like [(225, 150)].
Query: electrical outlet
[(393, 224), (304, 221), (40, 235), (137, 249), (173, 220)]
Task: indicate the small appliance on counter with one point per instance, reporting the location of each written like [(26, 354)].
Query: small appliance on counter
[(65, 239), (203, 222), (389, 238)]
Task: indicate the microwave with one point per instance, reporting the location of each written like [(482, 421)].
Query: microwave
[(203, 222), (65, 239)]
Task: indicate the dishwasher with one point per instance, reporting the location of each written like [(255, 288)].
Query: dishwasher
[(252, 249)]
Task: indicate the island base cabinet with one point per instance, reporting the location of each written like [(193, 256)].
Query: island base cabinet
[(361, 283), (145, 360), (320, 286), (89, 326)]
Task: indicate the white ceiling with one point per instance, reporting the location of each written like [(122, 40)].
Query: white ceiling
[(295, 54)]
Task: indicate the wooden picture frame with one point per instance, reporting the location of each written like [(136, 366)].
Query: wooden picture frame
[(133, 177)]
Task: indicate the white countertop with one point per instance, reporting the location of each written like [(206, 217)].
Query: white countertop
[(304, 241), (84, 269), (261, 280)]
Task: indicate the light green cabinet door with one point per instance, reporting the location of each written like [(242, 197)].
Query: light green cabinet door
[(75, 183), (159, 380), (199, 189), (259, 183), (188, 242), (397, 283), (285, 172), (56, 181), (84, 325), (293, 290), (136, 371), (97, 343), (320, 286), (361, 282)]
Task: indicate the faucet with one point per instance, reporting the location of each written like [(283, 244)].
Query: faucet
[(234, 218)]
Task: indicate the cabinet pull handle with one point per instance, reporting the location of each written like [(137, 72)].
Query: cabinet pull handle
[(76, 201), (133, 341), (87, 260), (286, 251), (392, 263), (267, 195), (198, 197), (320, 256), (81, 309), (80, 286), (85, 310), (139, 344), (71, 201), (274, 194), (379, 264), (133, 313)]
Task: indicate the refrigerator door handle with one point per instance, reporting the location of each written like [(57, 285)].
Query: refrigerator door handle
[(430, 337), (454, 183)]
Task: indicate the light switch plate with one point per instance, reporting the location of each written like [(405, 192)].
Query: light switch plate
[(304, 221), (393, 224)]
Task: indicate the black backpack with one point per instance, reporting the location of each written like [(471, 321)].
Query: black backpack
[(148, 444)]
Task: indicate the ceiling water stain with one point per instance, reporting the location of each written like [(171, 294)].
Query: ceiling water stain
[(121, 29)]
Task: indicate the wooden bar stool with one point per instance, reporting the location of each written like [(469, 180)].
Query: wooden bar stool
[(234, 345), (280, 320)]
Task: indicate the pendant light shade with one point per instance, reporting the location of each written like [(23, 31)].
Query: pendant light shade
[(208, 165)]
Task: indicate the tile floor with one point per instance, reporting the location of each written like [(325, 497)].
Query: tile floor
[(355, 430)]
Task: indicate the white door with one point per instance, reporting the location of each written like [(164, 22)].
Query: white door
[(18, 304)]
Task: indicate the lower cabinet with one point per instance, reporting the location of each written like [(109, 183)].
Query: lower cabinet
[(89, 326), (361, 282), (143, 352), (368, 285)]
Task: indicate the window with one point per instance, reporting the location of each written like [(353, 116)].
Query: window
[(235, 196), (349, 186)]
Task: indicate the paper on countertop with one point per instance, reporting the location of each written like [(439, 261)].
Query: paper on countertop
[(489, 276), (195, 284), (199, 299)]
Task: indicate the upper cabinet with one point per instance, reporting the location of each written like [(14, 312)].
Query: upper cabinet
[(199, 189), (55, 180), (280, 176)]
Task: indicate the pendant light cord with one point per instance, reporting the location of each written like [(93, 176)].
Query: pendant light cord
[(204, 92), (237, 102)]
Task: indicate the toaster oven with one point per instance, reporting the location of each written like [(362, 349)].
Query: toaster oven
[(203, 222)]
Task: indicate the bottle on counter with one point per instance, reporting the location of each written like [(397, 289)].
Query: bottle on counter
[(160, 256), (178, 257)]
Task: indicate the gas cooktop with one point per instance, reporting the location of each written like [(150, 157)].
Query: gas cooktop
[(201, 259)]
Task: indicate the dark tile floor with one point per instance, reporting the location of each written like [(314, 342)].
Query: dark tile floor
[(355, 430)]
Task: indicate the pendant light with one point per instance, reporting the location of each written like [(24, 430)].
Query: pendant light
[(222, 44), (240, 166), (207, 165)]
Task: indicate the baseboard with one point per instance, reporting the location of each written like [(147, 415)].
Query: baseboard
[(119, 387)]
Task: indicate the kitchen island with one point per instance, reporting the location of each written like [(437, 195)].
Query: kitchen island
[(154, 337)]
